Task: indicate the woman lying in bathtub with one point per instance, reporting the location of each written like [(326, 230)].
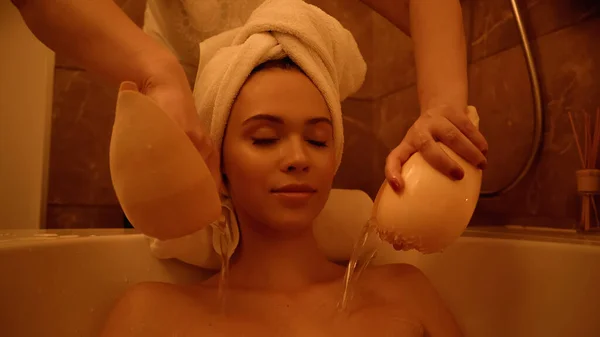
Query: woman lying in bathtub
[(278, 164)]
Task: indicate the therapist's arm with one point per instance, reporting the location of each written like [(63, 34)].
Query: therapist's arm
[(436, 28), (98, 36)]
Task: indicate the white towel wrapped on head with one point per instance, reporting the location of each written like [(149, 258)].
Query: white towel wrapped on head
[(328, 54), (315, 41)]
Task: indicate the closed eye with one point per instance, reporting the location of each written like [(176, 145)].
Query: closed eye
[(271, 141), (317, 143), (264, 141)]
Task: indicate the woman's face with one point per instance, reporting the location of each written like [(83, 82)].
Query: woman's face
[(278, 153)]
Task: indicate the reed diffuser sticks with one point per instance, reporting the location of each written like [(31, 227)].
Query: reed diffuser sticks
[(588, 177)]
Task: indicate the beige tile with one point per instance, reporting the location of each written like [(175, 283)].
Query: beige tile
[(82, 118), (357, 18), (60, 217), (493, 27), (569, 76), (134, 9), (387, 51), (395, 115), (392, 65), (499, 89), (362, 165)]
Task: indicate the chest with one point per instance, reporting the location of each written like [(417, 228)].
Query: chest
[(307, 322), (306, 314)]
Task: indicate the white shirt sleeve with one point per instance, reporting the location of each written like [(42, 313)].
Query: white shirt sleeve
[(164, 22)]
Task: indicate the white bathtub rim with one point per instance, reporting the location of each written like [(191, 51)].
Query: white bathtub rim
[(48, 238)]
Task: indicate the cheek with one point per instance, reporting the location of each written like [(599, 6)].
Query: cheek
[(246, 170), (324, 163)]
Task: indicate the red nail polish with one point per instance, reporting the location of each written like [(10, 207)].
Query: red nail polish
[(395, 184), (457, 174)]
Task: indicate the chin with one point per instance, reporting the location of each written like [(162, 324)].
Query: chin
[(277, 219), (291, 221), (284, 217)]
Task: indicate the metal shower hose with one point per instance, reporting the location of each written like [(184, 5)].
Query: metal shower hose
[(538, 123)]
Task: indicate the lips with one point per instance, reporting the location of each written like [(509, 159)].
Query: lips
[(294, 195), (295, 188)]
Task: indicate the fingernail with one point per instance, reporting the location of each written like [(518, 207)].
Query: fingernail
[(395, 183), (482, 165), (457, 174), (128, 85)]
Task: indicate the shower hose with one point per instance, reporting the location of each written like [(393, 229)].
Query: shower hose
[(538, 122)]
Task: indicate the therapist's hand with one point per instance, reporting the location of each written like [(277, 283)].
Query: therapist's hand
[(448, 126)]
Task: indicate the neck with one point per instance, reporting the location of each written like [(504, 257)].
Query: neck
[(277, 263)]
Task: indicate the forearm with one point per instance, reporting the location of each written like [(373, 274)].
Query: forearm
[(440, 53), (97, 35)]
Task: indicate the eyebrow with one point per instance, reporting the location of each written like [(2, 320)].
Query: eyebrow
[(279, 120)]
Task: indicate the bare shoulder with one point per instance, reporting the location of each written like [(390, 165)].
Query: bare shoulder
[(148, 294), (399, 269), (407, 285), (133, 313), (397, 283), (399, 274), (154, 289)]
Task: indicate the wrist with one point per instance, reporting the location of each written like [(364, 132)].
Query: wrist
[(160, 67), (448, 101), (442, 94), (443, 108)]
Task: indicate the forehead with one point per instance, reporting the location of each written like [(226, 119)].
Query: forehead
[(286, 93)]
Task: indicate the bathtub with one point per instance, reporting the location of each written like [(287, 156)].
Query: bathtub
[(498, 283)]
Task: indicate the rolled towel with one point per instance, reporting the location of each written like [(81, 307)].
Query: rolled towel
[(336, 229), (201, 248)]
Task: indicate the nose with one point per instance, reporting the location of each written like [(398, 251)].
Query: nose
[(295, 156)]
